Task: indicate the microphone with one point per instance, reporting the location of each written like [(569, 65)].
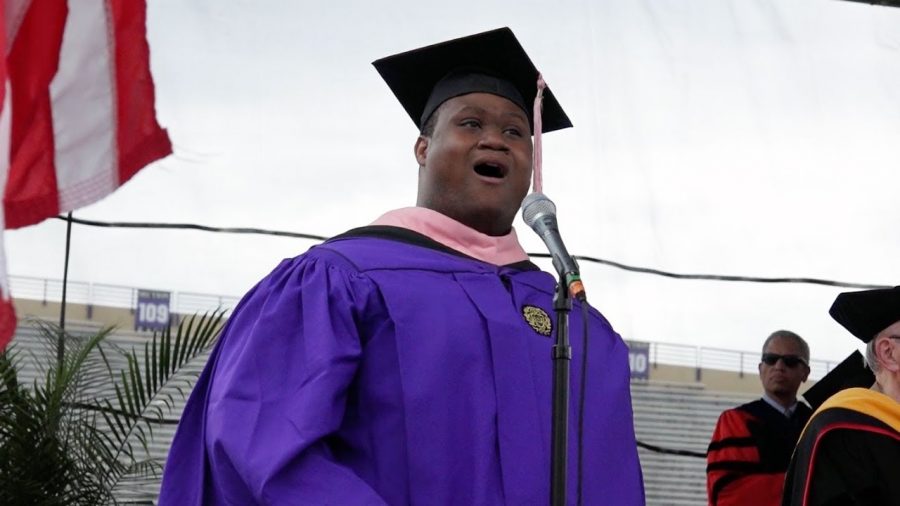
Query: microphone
[(539, 212)]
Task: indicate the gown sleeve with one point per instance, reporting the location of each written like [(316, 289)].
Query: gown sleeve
[(274, 391), (734, 474)]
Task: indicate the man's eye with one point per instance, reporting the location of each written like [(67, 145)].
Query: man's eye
[(472, 123), (514, 131)]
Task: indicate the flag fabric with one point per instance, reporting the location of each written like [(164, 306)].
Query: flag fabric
[(78, 107), (7, 312)]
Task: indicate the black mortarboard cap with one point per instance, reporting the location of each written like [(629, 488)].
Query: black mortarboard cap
[(852, 372), (867, 313), (490, 62)]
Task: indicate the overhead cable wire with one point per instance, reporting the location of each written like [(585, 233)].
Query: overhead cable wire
[(580, 258), (669, 451), (191, 226), (718, 277)]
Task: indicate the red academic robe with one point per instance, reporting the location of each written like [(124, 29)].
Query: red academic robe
[(749, 454)]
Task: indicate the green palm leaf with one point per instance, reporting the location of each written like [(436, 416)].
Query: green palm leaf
[(41, 437), (62, 443), (144, 394)]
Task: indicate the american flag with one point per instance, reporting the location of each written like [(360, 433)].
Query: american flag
[(78, 117)]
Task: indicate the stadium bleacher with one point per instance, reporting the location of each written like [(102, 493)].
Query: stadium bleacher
[(675, 416)]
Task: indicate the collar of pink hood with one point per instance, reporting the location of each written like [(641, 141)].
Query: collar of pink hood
[(500, 250)]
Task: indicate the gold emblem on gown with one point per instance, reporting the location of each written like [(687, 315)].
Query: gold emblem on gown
[(538, 319)]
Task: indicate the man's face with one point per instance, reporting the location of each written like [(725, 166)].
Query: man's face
[(780, 380), (476, 165)]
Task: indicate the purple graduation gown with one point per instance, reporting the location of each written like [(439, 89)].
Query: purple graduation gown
[(383, 368)]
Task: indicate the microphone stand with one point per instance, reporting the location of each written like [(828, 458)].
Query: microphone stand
[(559, 427)]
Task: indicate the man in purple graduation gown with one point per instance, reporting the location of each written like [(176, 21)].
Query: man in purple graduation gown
[(408, 362)]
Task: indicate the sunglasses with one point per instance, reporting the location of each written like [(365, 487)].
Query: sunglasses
[(789, 360)]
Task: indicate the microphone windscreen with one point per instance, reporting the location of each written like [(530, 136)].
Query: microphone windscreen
[(535, 205)]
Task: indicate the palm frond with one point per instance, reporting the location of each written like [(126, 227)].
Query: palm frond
[(144, 394), (86, 421), (40, 444)]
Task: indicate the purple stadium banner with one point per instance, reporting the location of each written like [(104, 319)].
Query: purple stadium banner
[(152, 312), (639, 360)]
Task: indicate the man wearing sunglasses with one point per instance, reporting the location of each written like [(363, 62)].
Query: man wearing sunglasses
[(752, 444), (849, 453)]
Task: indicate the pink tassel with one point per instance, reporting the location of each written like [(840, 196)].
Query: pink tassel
[(537, 177)]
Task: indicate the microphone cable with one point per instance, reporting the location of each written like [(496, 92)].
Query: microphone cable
[(581, 396)]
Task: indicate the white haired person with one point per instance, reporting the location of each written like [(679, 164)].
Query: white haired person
[(849, 453)]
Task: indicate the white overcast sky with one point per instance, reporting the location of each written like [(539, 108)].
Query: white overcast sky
[(742, 137)]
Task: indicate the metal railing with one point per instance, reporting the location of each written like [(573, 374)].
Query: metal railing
[(701, 357), (97, 294)]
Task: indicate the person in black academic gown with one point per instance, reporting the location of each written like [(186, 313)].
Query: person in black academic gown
[(849, 453)]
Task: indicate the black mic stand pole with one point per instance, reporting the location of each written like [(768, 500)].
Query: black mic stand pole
[(559, 427)]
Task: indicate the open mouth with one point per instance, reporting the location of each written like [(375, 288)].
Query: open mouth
[(489, 170)]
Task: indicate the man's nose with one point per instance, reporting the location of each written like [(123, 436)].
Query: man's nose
[(492, 138)]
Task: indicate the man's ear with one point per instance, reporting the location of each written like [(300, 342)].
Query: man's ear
[(421, 149), (884, 356)]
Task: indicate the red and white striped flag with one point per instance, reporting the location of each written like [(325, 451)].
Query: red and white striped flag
[(78, 117)]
